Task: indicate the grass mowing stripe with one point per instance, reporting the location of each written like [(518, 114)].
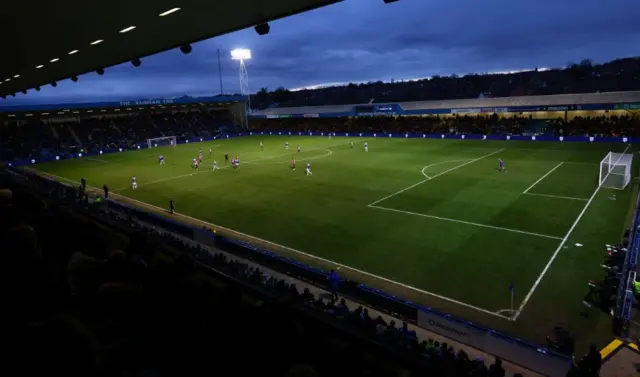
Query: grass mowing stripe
[(543, 177), (467, 222), (434, 177), (555, 254)]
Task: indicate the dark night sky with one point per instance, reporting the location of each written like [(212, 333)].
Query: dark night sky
[(367, 40)]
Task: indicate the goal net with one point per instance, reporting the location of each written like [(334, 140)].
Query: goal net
[(615, 170), (162, 141)]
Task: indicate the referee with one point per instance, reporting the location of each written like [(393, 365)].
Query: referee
[(172, 206)]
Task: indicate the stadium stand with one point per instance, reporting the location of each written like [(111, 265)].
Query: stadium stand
[(628, 125), (63, 135)]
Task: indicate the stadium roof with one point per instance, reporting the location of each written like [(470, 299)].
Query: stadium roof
[(36, 33), (141, 103)]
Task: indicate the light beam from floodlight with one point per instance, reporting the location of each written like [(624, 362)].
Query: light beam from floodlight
[(242, 54)]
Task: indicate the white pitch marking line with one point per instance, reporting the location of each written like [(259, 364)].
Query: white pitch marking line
[(301, 160), (435, 176), (555, 254), (342, 266), (555, 196), (505, 311), (95, 159), (439, 163), (543, 177), (467, 222)]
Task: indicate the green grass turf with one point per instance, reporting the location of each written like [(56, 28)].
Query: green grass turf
[(471, 258)]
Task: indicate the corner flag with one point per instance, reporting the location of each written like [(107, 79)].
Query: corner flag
[(512, 291)]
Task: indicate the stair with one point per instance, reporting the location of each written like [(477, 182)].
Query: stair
[(54, 131), (116, 128), (74, 135), (189, 125)]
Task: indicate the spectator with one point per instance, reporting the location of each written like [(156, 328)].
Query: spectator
[(334, 282)]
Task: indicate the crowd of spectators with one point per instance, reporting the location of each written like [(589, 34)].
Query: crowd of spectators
[(601, 126), (583, 77), (91, 291), (89, 133)]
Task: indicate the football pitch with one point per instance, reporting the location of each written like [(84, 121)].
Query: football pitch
[(433, 221)]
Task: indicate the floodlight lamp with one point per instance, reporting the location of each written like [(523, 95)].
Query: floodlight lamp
[(241, 54)]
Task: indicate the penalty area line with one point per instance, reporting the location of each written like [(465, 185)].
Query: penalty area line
[(307, 255)]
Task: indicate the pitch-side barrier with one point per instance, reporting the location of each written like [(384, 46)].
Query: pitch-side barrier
[(355, 135)]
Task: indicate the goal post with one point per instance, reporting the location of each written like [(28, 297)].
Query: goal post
[(162, 141), (615, 170)]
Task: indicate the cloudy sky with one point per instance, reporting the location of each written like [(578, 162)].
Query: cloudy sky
[(367, 40)]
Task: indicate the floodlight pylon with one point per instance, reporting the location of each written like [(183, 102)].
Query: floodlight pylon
[(241, 55)]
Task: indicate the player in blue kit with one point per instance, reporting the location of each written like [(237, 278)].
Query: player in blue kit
[(309, 169), (501, 168), (161, 160), (286, 145), (366, 147)]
